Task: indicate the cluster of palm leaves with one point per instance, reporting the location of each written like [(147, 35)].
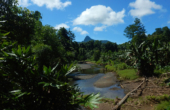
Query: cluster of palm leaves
[(147, 56)]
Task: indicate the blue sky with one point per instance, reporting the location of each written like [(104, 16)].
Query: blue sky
[(101, 19)]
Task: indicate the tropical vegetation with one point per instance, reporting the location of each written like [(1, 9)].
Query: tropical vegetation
[(35, 59)]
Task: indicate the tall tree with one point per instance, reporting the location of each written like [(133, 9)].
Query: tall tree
[(20, 22), (66, 38), (136, 31)]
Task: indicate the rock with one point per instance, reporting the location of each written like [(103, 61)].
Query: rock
[(107, 80), (114, 88), (84, 66), (81, 77)]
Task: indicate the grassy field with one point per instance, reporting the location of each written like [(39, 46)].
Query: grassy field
[(127, 74)]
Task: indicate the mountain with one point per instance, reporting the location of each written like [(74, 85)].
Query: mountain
[(87, 38)]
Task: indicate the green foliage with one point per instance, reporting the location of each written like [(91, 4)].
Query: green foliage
[(164, 105), (163, 100), (138, 39), (99, 62), (20, 22), (91, 100), (96, 55), (127, 74), (122, 66), (158, 99), (32, 89), (135, 29), (159, 70), (110, 68), (116, 67)]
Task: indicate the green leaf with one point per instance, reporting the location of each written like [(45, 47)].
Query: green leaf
[(28, 49), (5, 54), (14, 91), (21, 94), (46, 84), (1, 58), (12, 54), (91, 100), (41, 83), (19, 51), (55, 67)]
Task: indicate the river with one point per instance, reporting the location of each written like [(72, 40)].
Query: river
[(87, 77)]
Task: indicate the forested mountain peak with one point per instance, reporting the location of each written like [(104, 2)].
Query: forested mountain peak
[(87, 38)]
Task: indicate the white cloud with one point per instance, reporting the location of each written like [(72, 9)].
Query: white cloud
[(24, 3), (99, 28), (61, 25), (52, 3), (169, 22), (78, 29), (100, 14), (143, 7)]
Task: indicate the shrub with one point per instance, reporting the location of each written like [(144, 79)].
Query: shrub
[(99, 62), (23, 87), (110, 68), (164, 105), (122, 66)]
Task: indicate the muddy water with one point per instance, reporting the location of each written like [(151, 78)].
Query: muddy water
[(86, 85)]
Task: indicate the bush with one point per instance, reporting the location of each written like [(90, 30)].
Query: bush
[(110, 68), (99, 62), (159, 70), (122, 66), (164, 105)]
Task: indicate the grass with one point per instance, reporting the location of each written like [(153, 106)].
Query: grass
[(127, 74), (158, 99)]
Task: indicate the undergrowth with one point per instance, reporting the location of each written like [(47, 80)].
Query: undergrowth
[(127, 74)]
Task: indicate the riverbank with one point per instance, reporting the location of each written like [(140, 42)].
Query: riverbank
[(147, 97)]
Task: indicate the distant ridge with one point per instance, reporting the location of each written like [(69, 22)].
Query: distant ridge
[(87, 39)]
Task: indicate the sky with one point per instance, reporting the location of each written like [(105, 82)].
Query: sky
[(101, 19)]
